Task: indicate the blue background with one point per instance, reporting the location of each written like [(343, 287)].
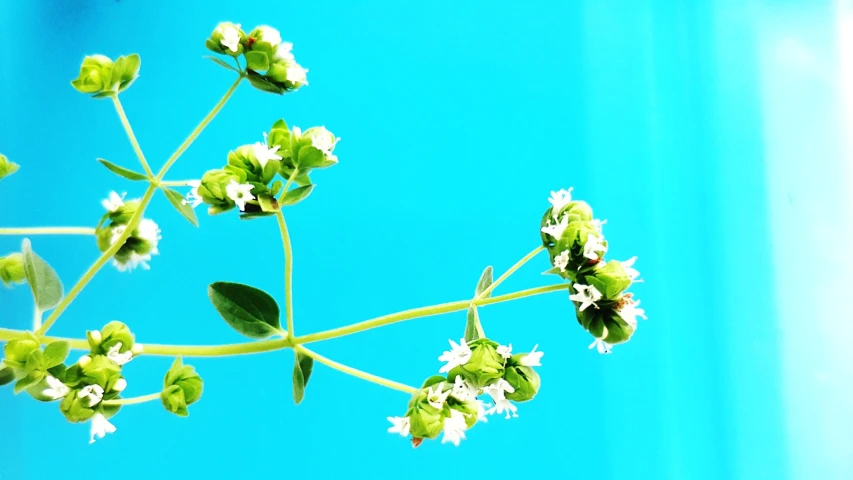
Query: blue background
[(710, 135)]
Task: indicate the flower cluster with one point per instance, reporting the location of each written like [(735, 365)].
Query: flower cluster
[(139, 245), (86, 388), (246, 182), (7, 167), (270, 64), (576, 246), (102, 77), (450, 405)]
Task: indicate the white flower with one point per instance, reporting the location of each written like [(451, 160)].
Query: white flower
[(270, 35), (632, 273), (264, 153), (113, 202), (116, 356), (284, 51), (399, 425), (296, 74), (533, 359), (100, 427), (603, 347), (462, 390), (120, 385), (629, 312), (132, 262), (592, 246), (598, 223), (458, 355), (454, 428), (193, 199), (559, 200), (557, 229), (92, 393), (498, 391), (561, 261), (504, 351), (240, 193), (56, 389), (482, 410), (230, 37), (587, 295), (436, 397), (323, 140), (150, 232)]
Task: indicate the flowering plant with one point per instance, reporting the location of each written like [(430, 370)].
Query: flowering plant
[(480, 376)]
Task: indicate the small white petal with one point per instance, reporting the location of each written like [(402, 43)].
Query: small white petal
[(100, 427)]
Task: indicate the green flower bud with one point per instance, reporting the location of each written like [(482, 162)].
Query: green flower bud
[(137, 248), (181, 387), (123, 213), (245, 159), (484, 365), (213, 188), (100, 371), (6, 167), (95, 75), (610, 279), (264, 38), (18, 350), (523, 379), (227, 38), (115, 338), (425, 420), (76, 408), (287, 72), (12, 269), (470, 409), (318, 152)]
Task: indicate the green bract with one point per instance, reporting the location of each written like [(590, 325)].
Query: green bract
[(115, 338), (610, 279), (7, 167), (213, 188), (227, 38), (426, 420), (485, 364), (523, 379), (12, 269), (102, 77), (181, 387)]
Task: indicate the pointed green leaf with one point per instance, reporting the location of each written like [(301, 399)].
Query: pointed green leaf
[(296, 195), (7, 376), (177, 201), (261, 83), (123, 172), (473, 330), (45, 284), (484, 282), (31, 379), (222, 63), (56, 353), (433, 380), (254, 215), (257, 60), (268, 203), (310, 157), (250, 311), (302, 369)]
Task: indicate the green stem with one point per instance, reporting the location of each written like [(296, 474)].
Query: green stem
[(195, 133), (126, 124), (509, 272), (289, 181), (176, 183), (134, 400), (288, 272), (99, 263), (48, 231), (355, 372), (216, 350)]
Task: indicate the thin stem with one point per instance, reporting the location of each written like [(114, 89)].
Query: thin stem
[(289, 181), (288, 272), (47, 231), (195, 133), (509, 272), (100, 262), (355, 372), (37, 316), (126, 124), (216, 350), (134, 400), (176, 183)]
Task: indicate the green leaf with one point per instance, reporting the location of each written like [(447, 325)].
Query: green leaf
[(123, 172), (433, 380), (484, 282), (131, 71), (7, 376), (31, 379), (261, 83), (177, 201), (250, 311), (473, 330), (222, 63), (56, 353), (301, 374), (310, 157), (296, 195), (45, 284), (117, 72), (257, 61), (254, 215), (268, 203)]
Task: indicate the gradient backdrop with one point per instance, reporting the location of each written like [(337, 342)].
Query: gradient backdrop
[(711, 135)]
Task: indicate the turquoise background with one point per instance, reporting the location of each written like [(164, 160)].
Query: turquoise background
[(710, 135)]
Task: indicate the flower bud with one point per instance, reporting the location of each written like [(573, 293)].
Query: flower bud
[(122, 214), (18, 350), (112, 334), (6, 167), (227, 38), (610, 279), (287, 72), (212, 189), (95, 75), (264, 38), (84, 360), (322, 141), (523, 379), (485, 364), (244, 158), (100, 371), (181, 387), (425, 420), (76, 408), (137, 248), (12, 269)]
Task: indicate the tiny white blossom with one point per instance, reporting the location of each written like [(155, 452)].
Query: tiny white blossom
[(556, 230), (504, 351), (632, 273), (561, 261), (113, 202), (137, 349), (399, 425), (598, 223), (629, 312), (264, 153), (120, 385), (436, 397), (56, 389), (560, 199), (150, 232), (324, 140), (193, 199), (587, 295), (457, 355), (270, 35), (454, 428), (482, 410), (498, 391), (133, 261), (116, 356), (533, 359), (296, 74), (284, 51), (92, 393), (462, 390), (593, 246), (100, 427), (84, 360), (240, 193), (603, 347), (230, 37)]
